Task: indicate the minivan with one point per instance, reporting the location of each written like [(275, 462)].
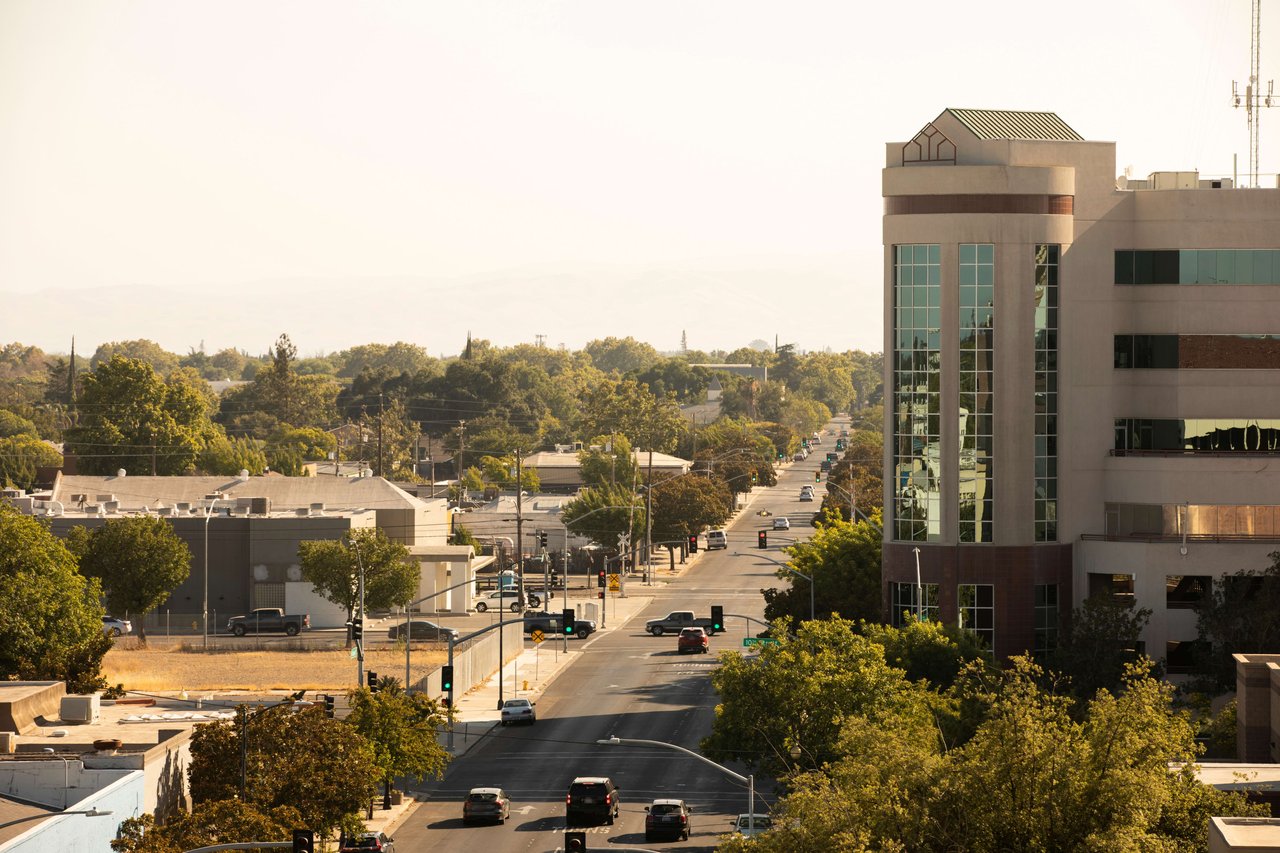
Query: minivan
[(716, 539)]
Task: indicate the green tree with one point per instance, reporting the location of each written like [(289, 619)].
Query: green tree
[(1100, 644), (161, 360), (230, 456), (51, 621), (402, 730), (288, 447), (1241, 613), (20, 458), (607, 460), (132, 419), (391, 433), (927, 651), (333, 567), (623, 406), (500, 471), (12, 424), (322, 767), (604, 513), (843, 559), (139, 560), (210, 823), (621, 355), (687, 504)]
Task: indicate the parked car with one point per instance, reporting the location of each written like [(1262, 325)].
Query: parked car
[(508, 598), (782, 523), (486, 804), (591, 798), (518, 711), (269, 620), (113, 627), (421, 629), (667, 818), (367, 842), (752, 824), (693, 640)]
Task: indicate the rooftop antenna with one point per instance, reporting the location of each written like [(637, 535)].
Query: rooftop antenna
[(1253, 99)]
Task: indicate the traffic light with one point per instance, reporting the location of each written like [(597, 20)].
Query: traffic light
[(753, 478), (357, 628), (328, 706), (575, 842), (693, 543), (600, 580), (717, 618), (817, 476), (446, 703), (446, 678), (542, 539), (372, 678), (568, 621), (762, 539), (304, 841)]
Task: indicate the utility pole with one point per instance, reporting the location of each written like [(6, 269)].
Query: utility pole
[(462, 443), (519, 526), (379, 433), (648, 517)]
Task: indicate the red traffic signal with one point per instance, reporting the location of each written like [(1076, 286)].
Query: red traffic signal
[(600, 579), (693, 543), (304, 841), (762, 539)]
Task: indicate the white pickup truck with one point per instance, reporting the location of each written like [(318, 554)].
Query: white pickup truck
[(676, 620)]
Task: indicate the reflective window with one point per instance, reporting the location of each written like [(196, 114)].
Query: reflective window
[(916, 380), (1197, 435), (977, 603), (977, 372), (1186, 592), (902, 597), (1046, 399), (1146, 351), (1046, 634), (1198, 352), (1183, 522), (1197, 266)]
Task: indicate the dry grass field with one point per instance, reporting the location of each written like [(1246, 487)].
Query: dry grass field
[(158, 670)]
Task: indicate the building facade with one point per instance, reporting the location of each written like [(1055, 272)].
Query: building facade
[(1083, 375)]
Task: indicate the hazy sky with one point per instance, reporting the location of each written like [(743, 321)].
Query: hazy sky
[(573, 169)]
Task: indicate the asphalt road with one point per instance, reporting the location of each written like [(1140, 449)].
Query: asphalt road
[(631, 685)]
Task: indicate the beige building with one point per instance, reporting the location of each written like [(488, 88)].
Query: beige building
[(1083, 375)]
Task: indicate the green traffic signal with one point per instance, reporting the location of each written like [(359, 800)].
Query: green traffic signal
[(568, 620), (717, 618)]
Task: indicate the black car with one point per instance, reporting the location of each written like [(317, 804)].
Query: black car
[(421, 629), (667, 817), (593, 798)]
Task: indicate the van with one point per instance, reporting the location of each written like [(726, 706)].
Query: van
[(716, 539)]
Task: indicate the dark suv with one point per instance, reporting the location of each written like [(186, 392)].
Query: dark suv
[(591, 798)]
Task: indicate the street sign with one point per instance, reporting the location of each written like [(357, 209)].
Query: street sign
[(537, 636), (747, 642), (615, 582)]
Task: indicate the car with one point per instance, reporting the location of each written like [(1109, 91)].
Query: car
[(486, 804), (798, 457), (693, 640), (367, 842), (716, 539), (591, 798), (518, 711), (421, 629), (667, 817), (752, 824), (113, 627), (806, 496), (782, 523), (508, 598)]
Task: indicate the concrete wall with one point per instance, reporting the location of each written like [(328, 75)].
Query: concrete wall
[(120, 792), (22, 702), (476, 661), (1256, 684)]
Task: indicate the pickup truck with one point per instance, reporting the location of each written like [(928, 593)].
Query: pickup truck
[(676, 620), (549, 624), (269, 620)]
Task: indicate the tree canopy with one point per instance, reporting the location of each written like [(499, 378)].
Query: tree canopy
[(843, 559), (334, 567)]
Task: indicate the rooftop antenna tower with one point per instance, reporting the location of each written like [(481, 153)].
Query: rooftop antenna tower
[(1253, 99)]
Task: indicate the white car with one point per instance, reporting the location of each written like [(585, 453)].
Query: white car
[(752, 824), (508, 598), (113, 627), (782, 523), (518, 711)]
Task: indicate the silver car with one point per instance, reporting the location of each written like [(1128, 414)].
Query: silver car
[(113, 627), (518, 711)]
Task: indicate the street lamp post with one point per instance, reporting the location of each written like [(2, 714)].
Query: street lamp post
[(93, 812), (919, 589), (749, 779), (204, 619)]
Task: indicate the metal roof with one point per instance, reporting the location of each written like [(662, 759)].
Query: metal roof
[(1016, 124)]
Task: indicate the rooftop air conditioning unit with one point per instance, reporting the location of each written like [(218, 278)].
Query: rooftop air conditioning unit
[(166, 511), (80, 709), (11, 493), (104, 498), (302, 512), (111, 506), (183, 506), (260, 506), (317, 509)]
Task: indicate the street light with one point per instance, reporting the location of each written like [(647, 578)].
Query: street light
[(208, 513), (66, 770), (919, 589), (749, 779), (91, 812)]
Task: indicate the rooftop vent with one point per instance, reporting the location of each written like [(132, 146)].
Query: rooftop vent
[(120, 472)]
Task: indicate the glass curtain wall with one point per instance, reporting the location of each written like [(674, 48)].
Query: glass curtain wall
[(1046, 402), (916, 382), (977, 372)]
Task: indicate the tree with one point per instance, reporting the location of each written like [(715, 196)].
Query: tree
[(685, 505), (209, 823), (796, 695), (161, 360), (626, 407), (20, 458), (1241, 614), (607, 461), (230, 456), (51, 621), (139, 560), (927, 651), (334, 567), (843, 558), (322, 767), (390, 433), (1100, 643), (132, 419), (604, 513), (401, 728), (288, 447), (621, 355)]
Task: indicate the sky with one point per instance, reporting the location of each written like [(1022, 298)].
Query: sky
[(210, 174)]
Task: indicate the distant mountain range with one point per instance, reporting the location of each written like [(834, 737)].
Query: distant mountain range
[(717, 309)]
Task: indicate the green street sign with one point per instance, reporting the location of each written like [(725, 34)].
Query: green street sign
[(747, 642)]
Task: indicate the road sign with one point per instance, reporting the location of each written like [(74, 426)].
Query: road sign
[(758, 641), (537, 636), (615, 582)]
